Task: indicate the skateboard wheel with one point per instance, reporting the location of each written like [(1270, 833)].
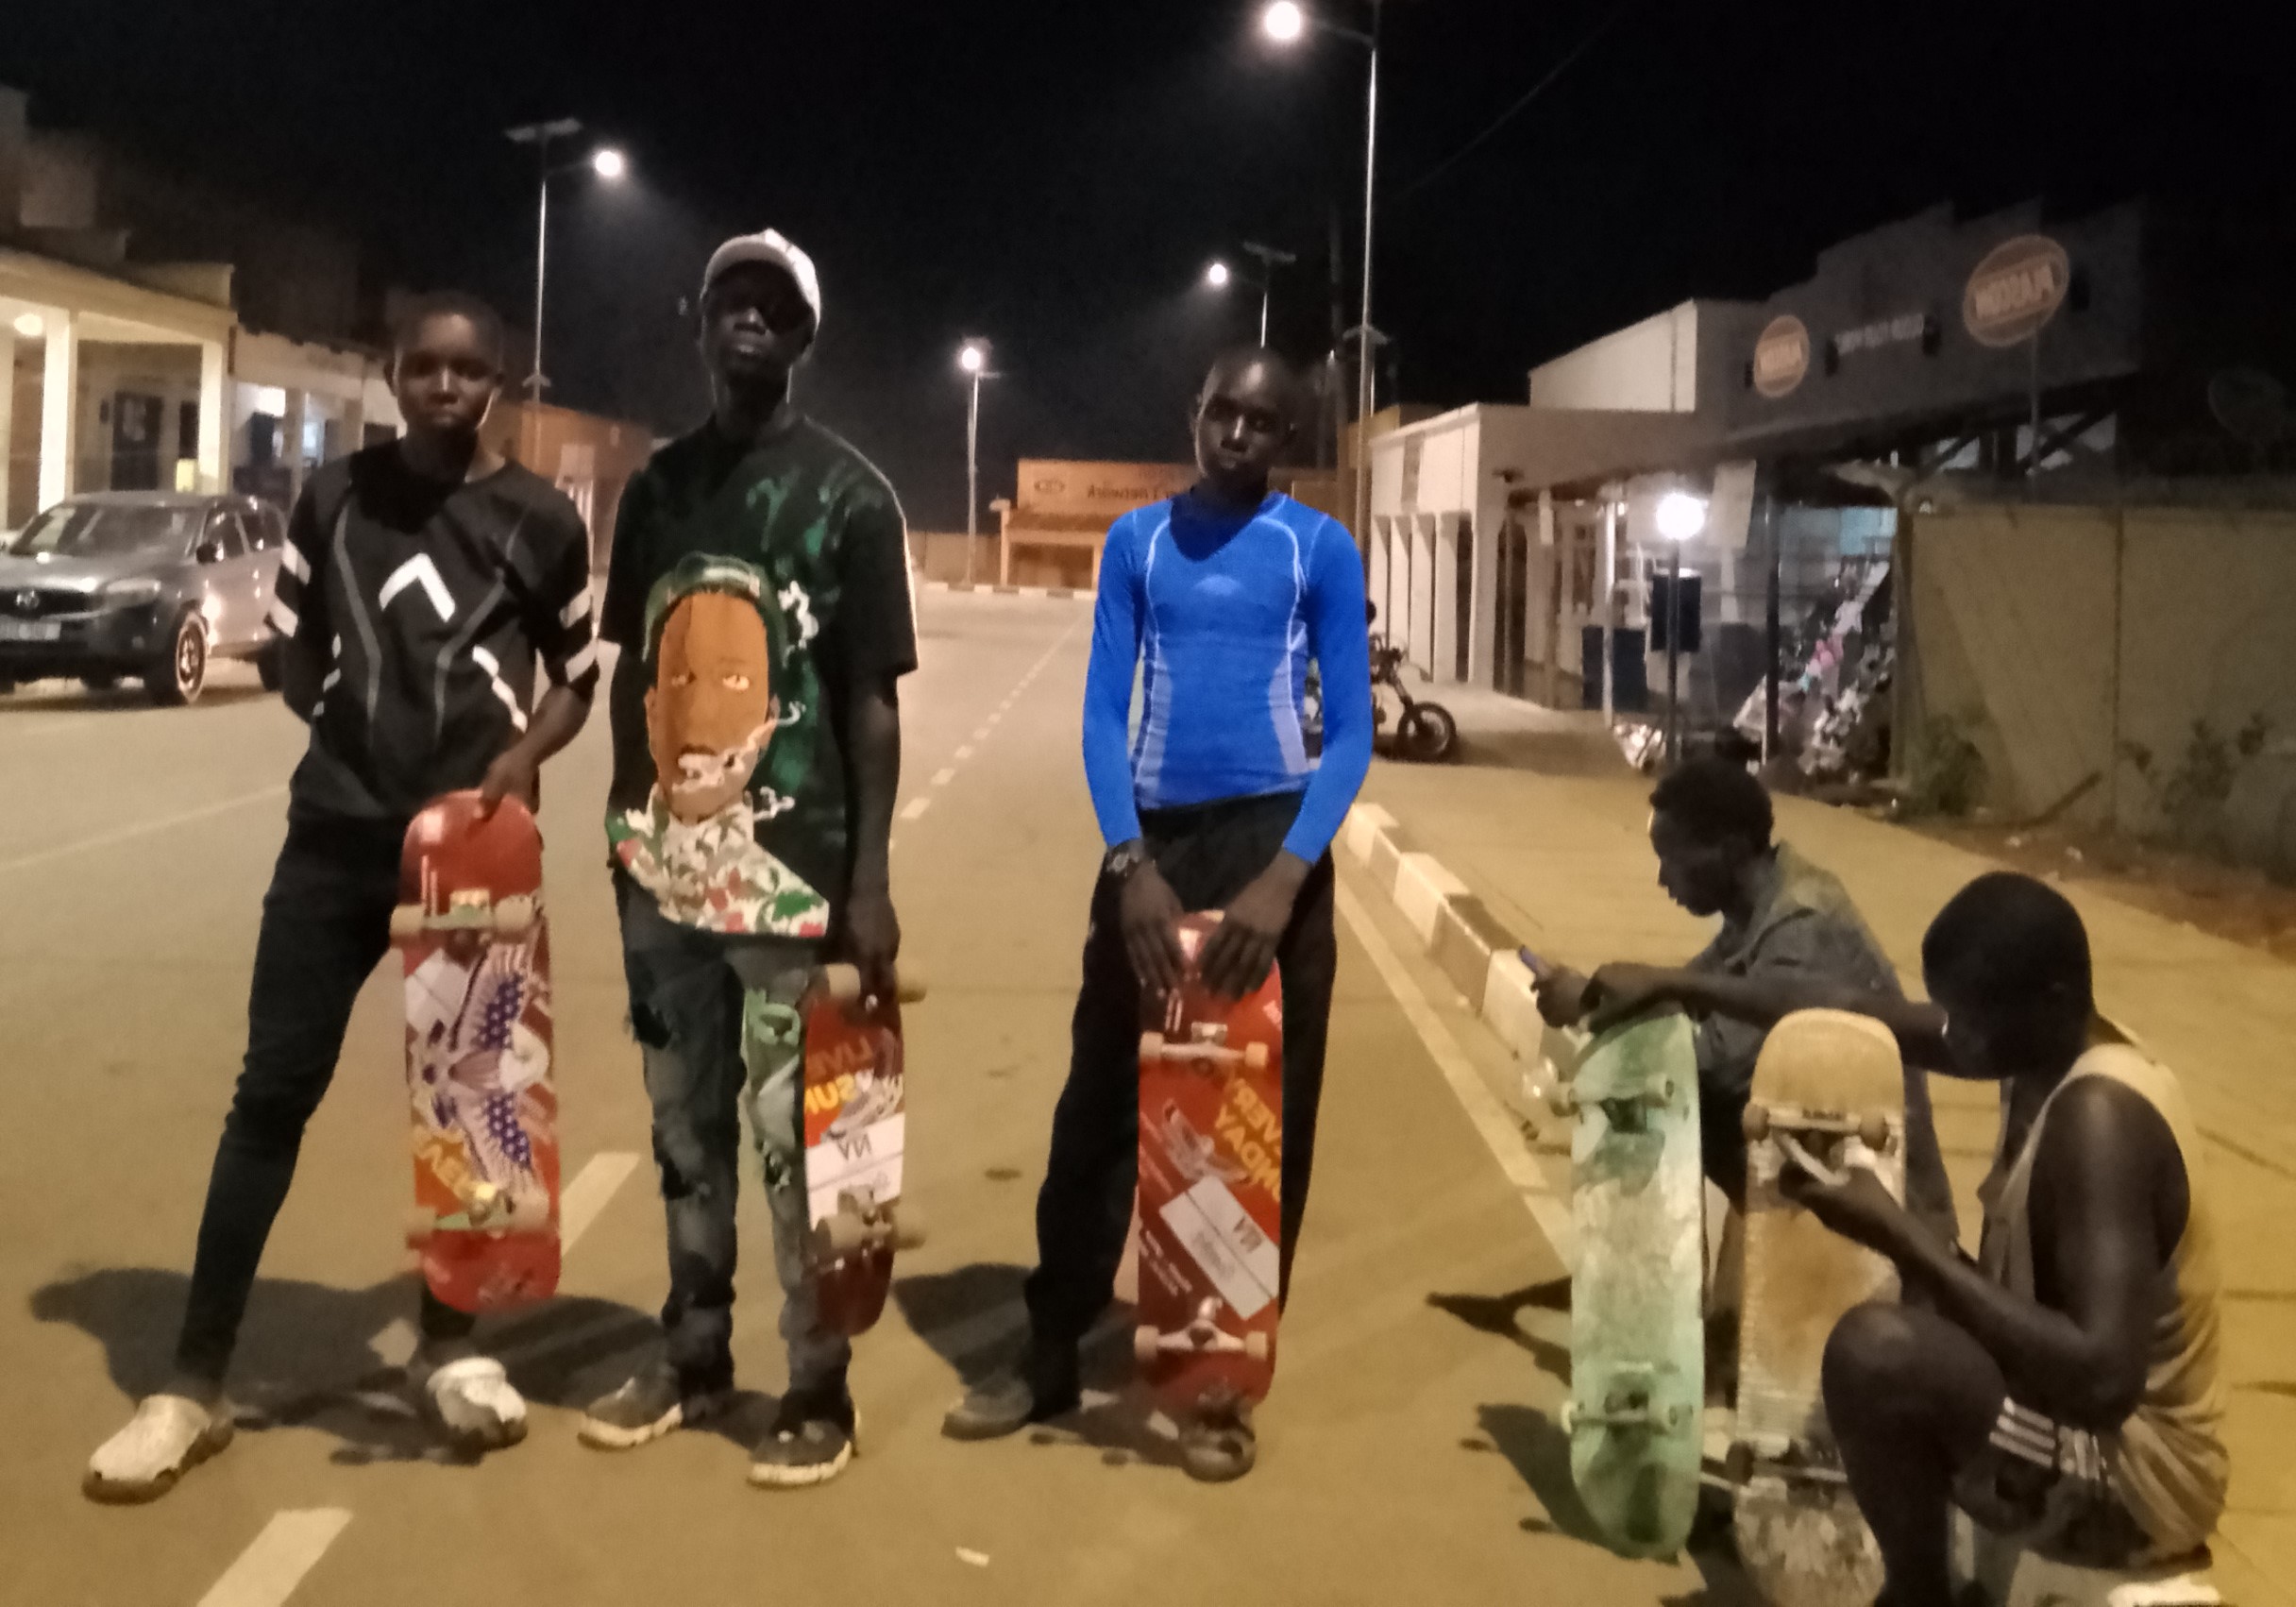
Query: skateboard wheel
[(530, 1213), (1568, 1417), (1738, 1463), (1662, 1092), (406, 922), (908, 1228), (1145, 1342), (844, 1234), (514, 917), (841, 983), (1256, 1346), (1256, 1055), (1563, 1100), (1152, 1047), (1874, 1133), (1755, 1123)]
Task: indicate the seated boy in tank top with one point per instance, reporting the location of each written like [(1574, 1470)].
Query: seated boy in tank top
[(2063, 1388)]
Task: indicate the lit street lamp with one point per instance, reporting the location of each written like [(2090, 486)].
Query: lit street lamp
[(606, 162), (1680, 517), (1286, 22), (972, 358), (1217, 275)]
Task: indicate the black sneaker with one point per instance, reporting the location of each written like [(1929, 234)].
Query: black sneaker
[(1007, 1402), (814, 1433), (646, 1408)]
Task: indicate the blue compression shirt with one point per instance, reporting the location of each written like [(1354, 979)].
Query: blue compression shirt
[(1227, 608)]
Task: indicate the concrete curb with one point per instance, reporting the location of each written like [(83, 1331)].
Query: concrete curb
[(1466, 941)]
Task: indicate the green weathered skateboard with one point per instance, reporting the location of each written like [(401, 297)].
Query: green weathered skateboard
[(1638, 1355), (1829, 1092)]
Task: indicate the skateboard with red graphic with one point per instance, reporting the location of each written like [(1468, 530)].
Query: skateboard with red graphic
[(856, 1119), (476, 949), (1210, 1188)]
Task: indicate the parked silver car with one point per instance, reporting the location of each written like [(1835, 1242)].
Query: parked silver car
[(148, 584)]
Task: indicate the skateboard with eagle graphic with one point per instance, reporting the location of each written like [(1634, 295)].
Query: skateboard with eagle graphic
[(476, 951), (1210, 1188)]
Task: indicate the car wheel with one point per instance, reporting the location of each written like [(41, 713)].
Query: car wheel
[(181, 675), (270, 666)]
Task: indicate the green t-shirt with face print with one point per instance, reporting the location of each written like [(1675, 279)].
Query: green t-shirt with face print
[(806, 529)]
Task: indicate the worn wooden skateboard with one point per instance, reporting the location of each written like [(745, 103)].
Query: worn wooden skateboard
[(476, 948), (1210, 1189), (1638, 1356), (856, 1120), (1829, 1092)]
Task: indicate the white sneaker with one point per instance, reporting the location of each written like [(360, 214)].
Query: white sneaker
[(474, 1403), (168, 1434)]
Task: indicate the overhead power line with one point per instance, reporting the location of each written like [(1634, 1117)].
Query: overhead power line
[(1568, 61)]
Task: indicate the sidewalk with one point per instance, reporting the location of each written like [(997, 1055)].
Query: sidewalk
[(1542, 833)]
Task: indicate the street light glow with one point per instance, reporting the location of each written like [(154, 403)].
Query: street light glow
[(609, 164), (1680, 515), (972, 357), (1284, 21), (29, 326), (1217, 275)]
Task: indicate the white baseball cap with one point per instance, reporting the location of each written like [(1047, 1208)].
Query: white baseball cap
[(772, 249)]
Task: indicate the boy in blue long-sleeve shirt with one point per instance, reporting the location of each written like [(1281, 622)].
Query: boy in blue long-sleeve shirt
[(1219, 598)]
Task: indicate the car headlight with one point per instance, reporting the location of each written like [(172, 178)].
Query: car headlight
[(127, 593)]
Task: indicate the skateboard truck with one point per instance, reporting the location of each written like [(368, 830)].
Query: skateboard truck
[(1761, 1121), (1202, 1336), (1207, 1048), (473, 910), (860, 1224), (1625, 1408), (487, 1207), (1564, 1100), (842, 985), (1777, 1456)]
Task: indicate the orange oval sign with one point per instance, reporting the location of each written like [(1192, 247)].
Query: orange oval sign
[(1781, 356), (2016, 290)]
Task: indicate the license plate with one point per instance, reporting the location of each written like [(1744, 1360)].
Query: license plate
[(30, 631)]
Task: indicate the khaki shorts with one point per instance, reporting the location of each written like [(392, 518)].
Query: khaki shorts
[(2045, 1487)]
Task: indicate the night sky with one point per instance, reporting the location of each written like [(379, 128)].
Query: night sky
[(1055, 173)]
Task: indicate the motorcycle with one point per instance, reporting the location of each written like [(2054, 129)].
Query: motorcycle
[(1424, 732)]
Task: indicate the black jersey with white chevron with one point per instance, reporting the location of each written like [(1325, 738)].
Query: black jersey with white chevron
[(415, 612)]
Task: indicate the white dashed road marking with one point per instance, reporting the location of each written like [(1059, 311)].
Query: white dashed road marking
[(916, 807), (581, 1201), (128, 834), (943, 778), (266, 1573)]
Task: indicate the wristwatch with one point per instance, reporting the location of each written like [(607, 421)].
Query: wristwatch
[(1124, 858)]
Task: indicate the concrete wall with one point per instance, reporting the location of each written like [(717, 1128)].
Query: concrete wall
[(2073, 632), (1645, 367)]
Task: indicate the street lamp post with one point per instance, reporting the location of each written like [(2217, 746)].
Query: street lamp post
[(1286, 22), (1680, 517), (972, 357), (1270, 259), (607, 162)]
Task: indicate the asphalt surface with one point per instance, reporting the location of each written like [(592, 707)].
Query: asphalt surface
[(1409, 1451)]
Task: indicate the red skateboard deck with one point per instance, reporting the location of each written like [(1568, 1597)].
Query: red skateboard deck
[(1210, 1188), (856, 1119), (470, 931)]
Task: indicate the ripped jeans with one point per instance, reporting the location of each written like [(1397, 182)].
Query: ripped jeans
[(717, 1022)]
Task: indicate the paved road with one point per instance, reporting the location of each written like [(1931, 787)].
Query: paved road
[(1407, 1454)]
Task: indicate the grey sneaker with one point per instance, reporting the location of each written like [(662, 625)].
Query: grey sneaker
[(646, 1408), (814, 1434), (1007, 1402), (1220, 1445)]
